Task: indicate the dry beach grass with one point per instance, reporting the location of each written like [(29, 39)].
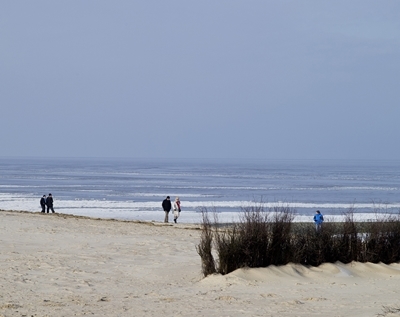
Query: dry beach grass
[(59, 265)]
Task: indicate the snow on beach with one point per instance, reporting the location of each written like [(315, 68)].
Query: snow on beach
[(151, 210)]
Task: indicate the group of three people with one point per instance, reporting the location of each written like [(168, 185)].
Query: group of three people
[(47, 202), (167, 206)]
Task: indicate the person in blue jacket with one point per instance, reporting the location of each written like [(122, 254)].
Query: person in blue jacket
[(318, 219)]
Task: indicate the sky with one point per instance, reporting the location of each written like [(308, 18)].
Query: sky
[(200, 79)]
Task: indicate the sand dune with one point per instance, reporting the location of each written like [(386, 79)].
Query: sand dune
[(58, 265)]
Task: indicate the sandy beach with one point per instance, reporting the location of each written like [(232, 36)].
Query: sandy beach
[(61, 265)]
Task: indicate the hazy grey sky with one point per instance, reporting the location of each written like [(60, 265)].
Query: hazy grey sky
[(195, 79)]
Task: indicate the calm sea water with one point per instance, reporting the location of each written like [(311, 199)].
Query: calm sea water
[(134, 188)]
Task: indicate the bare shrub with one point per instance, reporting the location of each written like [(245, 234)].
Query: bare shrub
[(348, 240), (280, 247), (314, 248), (303, 244), (262, 238), (382, 242), (204, 249), (259, 239)]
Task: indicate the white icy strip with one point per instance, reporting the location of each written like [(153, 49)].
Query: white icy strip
[(148, 211)]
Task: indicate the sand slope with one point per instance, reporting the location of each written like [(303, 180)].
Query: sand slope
[(54, 265)]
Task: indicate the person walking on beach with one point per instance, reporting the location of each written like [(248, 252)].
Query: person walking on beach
[(49, 203), (177, 209), (43, 203), (318, 219), (166, 204)]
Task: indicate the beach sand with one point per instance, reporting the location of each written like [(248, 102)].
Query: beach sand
[(59, 265)]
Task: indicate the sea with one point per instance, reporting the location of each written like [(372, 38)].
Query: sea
[(133, 189)]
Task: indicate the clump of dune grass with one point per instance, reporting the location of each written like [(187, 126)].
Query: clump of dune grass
[(314, 248), (382, 240), (269, 237), (204, 249), (257, 240), (243, 243)]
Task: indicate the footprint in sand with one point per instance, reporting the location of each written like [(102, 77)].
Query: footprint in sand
[(316, 299), (269, 295)]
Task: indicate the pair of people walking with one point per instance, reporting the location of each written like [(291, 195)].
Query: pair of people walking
[(167, 206), (47, 202)]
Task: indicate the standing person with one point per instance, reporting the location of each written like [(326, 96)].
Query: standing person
[(43, 203), (177, 208), (318, 219), (166, 204), (49, 203)]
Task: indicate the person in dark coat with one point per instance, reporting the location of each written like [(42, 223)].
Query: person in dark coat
[(43, 203), (49, 203), (166, 204)]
